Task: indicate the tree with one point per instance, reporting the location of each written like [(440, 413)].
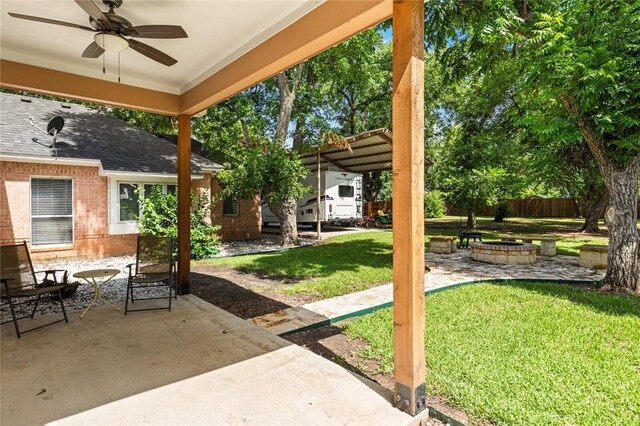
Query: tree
[(160, 218), (588, 58), (249, 133), (558, 159), (342, 91), (582, 59), (273, 172), (355, 91), (477, 157), (153, 123)]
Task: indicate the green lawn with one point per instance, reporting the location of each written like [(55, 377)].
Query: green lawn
[(349, 263), (526, 354), (564, 228), (343, 264)]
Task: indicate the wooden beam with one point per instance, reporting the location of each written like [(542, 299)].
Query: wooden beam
[(325, 26), (370, 163), (357, 157), (408, 216), (184, 203), (17, 76), (318, 189), (335, 163), (355, 148), (377, 169)]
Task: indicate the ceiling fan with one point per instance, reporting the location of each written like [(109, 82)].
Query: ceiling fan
[(110, 30)]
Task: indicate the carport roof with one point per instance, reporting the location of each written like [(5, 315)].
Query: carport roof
[(365, 152)]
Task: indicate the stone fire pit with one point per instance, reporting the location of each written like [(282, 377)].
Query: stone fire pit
[(503, 252)]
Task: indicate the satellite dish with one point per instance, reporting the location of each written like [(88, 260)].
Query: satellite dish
[(55, 125), (53, 128)]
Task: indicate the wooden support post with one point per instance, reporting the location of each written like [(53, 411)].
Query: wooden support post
[(184, 203), (318, 186), (408, 216)]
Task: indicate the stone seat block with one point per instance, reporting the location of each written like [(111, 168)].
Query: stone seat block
[(442, 244), (594, 256)]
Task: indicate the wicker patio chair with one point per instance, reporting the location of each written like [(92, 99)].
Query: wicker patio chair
[(20, 281), (154, 268)]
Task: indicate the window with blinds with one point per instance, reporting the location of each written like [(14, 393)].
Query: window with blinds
[(51, 211)]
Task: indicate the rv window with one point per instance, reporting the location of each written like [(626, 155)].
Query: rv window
[(345, 191)]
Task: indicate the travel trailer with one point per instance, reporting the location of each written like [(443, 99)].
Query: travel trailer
[(340, 199)]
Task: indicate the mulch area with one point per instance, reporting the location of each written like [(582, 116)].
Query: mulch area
[(247, 296)]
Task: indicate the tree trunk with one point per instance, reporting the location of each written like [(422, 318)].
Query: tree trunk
[(576, 208), (285, 211), (623, 271), (287, 98), (594, 204), (371, 184), (471, 220)]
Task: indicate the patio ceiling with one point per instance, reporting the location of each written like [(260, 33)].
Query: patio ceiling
[(232, 45)]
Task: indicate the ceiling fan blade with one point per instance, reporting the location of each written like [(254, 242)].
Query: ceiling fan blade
[(94, 11), (156, 31), (93, 51), (151, 52), (49, 21)]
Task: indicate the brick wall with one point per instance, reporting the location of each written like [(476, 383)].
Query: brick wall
[(91, 209), (247, 225)]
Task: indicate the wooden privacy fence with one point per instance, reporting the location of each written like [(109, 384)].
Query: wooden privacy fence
[(528, 207), (372, 207), (531, 207)]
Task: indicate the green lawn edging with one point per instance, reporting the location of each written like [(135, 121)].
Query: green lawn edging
[(371, 309)]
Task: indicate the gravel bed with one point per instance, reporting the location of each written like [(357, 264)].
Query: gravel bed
[(267, 243), (116, 289), (113, 291)]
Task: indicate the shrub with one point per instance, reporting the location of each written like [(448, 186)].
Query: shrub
[(434, 205), (160, 217), (502, 212)]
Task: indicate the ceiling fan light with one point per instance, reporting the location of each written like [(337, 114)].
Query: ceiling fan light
[(111, 42)]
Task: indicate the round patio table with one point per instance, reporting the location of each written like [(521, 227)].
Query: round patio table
[(97, 278)]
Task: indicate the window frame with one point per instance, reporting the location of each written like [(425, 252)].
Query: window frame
[(73, 218), (352, 191), (140, 186), (237, 209), (119, 211)]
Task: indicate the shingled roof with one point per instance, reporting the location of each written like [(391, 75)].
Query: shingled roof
[(88, 134)]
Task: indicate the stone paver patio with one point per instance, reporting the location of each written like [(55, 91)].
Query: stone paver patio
[(446, 270)]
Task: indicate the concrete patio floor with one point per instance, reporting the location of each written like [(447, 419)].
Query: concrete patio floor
[(195, 365)]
